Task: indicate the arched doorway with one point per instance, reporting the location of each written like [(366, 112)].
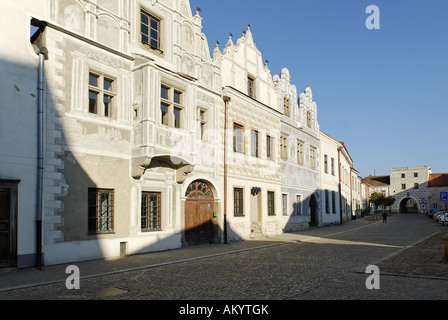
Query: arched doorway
[(408, 205), (312, 206), (199, 207)]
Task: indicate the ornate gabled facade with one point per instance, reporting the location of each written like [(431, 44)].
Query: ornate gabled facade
[(132, 146), (300, 156), (252, 126)]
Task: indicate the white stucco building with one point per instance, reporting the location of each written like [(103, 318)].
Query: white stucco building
[(300, 155), (329, 180), (252, 169)]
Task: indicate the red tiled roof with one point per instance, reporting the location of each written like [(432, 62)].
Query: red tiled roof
[(377, 181), (438, 180)]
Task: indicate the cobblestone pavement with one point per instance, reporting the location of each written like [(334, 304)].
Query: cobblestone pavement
[(323, 263)]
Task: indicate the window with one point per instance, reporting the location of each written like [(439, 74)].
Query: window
[(286, 107), (332, 166), (415, 174), (403, 186), (254, 143), (285, 204), (300, 152), (333, 201), (101, 94), (171, 103), (415, 185), (238, 138), (284, 147), (313, 157), (298, 204), (100, 210), (202, 118), (269, 147), (150, 30), (151, 211), (251, 87), (403, 175), (271, 203), (238, 202), (308, 119), (325, 163), (327, 201)]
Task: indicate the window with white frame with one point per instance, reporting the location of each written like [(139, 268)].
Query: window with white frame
[(313, 158), (101, 94), (202, 119), (254, 143), (171, 106), (285, 204), (300, 145), (298, 204)]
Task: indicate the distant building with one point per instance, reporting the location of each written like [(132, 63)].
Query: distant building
[(438, 191), (408, 185)]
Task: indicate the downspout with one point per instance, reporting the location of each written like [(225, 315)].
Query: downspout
[(42, 51), (40, 160), (226, 101), (339, 186)]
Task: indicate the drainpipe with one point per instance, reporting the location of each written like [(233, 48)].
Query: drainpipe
[(339, 186), (226, 101), (40, 162), (42, 51)]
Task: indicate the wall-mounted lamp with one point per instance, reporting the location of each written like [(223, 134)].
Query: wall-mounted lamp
[(255, 190)]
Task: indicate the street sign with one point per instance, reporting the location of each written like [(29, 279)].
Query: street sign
[(443, 196)]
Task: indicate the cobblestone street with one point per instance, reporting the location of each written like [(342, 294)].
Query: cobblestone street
[(322, 263)]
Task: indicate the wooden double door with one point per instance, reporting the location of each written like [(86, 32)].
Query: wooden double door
[(199, 218)]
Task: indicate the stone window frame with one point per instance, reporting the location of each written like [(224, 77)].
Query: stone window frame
[(238, 139), (284, 147), (149, 215), (238, 201), (97, 206), (202, 118), (285, 200), (270, 203), (298, 205), (251, 85), (313, 154), (254, 143), (269, 147), (172, 104), (100, 92), (286, 107), (160, 20), (300, 152)]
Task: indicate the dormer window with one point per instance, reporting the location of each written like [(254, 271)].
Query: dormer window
[(286, 108), (251, 87), (308, 119)]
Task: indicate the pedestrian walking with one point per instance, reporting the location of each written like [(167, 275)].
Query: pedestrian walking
[(384, 216)]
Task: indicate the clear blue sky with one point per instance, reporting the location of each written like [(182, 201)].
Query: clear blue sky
[(383, 92)]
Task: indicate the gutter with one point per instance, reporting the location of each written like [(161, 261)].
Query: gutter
[(41, 50), (226, 102)]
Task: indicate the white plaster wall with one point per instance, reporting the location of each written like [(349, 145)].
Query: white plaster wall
[(18, 113)]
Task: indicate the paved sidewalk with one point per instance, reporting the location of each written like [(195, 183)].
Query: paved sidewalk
[(21, 278)]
